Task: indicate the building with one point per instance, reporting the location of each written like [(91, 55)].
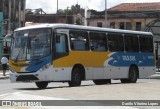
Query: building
[(129, 16), (13, 17), (13, 11), (70, 15)]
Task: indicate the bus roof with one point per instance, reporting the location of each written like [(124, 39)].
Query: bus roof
[(89, 28)]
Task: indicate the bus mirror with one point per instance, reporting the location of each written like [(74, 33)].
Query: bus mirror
[(57, 38)]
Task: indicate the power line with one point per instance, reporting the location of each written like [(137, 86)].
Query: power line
[(44, 4)]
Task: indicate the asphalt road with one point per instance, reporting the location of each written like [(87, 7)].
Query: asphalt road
[(88, 87), (144, 89)]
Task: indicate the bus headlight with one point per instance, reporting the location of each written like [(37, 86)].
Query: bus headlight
[(45, 67)]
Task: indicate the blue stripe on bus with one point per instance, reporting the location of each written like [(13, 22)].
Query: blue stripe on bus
[(128, 58), (37, 64)]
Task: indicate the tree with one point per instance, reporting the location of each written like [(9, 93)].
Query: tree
[(79, 19)]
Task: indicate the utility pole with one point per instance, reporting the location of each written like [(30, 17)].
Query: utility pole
[(57, 6), (19, 13), (57, 13), (9, 17), (24, 4), (105, 13)]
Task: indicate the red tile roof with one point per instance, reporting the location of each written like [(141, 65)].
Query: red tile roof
[(136, 7)]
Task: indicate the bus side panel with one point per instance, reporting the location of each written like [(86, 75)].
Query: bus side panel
[(146, 65), (89, 73), (98, 73), (117, 66), (112, 72), (146, 71), (55, 74), (93, 62)]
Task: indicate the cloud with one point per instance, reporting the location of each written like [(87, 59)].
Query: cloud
[(96, 4), (51, 5)]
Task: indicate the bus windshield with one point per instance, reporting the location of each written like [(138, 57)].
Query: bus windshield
[(31, 44)]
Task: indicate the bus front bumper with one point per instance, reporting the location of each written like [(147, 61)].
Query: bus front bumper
[(26, 77)]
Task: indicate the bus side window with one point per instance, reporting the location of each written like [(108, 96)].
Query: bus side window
[(131, 43), (79, 40), (61, 45), (146, 44), (98, 41), (115, 42)]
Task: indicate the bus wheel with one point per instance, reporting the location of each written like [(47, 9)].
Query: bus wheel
[(101, 82), (133, 75), (41, 85), (76, 78)]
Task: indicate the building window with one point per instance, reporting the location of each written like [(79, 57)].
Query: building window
[(138, 26), (112, 24), (99, 24), (121, 25), (128, 26)]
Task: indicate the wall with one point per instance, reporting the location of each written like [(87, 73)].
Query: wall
[(144, 22)]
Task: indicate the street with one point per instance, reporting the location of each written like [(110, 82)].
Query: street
[(144, 89)]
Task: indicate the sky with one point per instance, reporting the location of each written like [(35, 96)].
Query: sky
[(50, 6)]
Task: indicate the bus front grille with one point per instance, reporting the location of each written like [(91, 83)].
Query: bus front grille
[(26, 78)]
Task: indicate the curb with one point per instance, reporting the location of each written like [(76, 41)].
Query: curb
[(154, 77), (4, 77)]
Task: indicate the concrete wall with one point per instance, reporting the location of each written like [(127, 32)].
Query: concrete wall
[(144, 22)]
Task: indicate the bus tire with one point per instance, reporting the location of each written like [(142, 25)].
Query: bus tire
[(41, 85), (133, 74), (75, 78), (101, 82)]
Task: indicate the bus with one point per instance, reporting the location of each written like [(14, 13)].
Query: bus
[(71, 53)]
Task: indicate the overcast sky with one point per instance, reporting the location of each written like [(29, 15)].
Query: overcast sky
[(50, 6)]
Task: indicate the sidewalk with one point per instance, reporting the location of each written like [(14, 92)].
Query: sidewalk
[(155, 76), (4, 77)]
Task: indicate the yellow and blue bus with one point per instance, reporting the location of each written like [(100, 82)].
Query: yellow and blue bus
[(71, 53)]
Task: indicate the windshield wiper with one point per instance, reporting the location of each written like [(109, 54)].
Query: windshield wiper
[(19, 52)]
